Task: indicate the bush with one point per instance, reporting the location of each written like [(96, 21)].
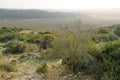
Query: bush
[(9, 30), (117, 31), (110, 62), (103, 30), (21, 37), (7, 37), (109, 70), (46, 40), (77, 63), (113, 37), (71, 47), (104, 37), (33, 39), (4, 30), (111, 46), (31, 47), (15, 47), (115, 54), (42, 69), (8, 34), (100, 38), (95, 51), (104, 34)]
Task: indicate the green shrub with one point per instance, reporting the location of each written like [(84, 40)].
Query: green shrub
[(8, 34), (22, 37), (100, 38), (117, 31), (15, 47), (31, 47), (113, 37), (95, 50), (109, 70), (71, 47), (33, 39), (104, 37), (7, 37), (9, 30), (104, 34), (111, 46), (4, 30), (103, 30), (46, 40), (42, 69), (115, 54), (76, 62), (110, 62)]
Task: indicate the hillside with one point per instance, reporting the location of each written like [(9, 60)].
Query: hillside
[(34, 14), (45, 14), (70, 54)]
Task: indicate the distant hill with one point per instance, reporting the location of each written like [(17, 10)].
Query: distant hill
[(59, 14), (34, 14)]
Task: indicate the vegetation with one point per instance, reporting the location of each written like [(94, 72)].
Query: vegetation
[(42, 69), (109, 62), (92, 52), (116, 31), (7, 67), (46, 40), (98, 56), (14, 47)]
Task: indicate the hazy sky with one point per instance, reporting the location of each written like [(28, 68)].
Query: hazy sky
[(59, 4)]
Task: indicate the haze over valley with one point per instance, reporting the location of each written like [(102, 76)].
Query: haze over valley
[(43, 19)]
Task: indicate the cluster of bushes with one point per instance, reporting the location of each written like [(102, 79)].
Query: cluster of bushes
[(9, 30), (15, 47), (8, 37), (81, 53), (4, 30), (17, 40), (106, 34), (110, 62), (72, 48), (9, 34), (90, 52)]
